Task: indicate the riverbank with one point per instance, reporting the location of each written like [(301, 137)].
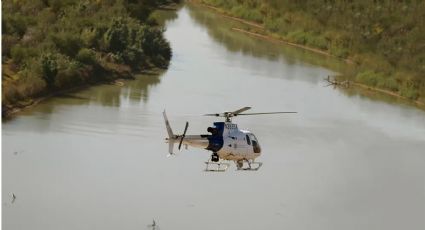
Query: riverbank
[(273, 39), (357, 84), (116, 80), (396, 83), (10, 110), (99, 46)]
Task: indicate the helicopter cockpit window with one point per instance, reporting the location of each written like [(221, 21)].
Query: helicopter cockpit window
[(255, 144), (248, 141)]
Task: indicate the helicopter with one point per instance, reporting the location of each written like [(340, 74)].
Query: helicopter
[(225, 140)]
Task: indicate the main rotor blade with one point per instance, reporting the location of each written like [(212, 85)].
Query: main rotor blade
[(241, 110), (262, 113), (214, 114), (184, 134)]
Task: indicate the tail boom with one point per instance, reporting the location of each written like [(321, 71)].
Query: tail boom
[(197, 141)]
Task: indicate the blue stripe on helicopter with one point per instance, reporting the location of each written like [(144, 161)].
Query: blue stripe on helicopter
[(215, 142)]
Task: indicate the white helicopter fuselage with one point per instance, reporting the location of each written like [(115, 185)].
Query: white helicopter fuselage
[(238, 144), (226, 139)]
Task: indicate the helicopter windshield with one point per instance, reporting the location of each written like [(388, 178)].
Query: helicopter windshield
[(255, 143)]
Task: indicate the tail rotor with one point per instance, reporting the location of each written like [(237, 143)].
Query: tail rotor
[(172, 138), (184, 134)]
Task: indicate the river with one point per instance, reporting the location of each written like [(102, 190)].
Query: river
[(96, 158)]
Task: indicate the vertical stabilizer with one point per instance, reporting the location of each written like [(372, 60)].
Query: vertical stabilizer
[(171, 137)]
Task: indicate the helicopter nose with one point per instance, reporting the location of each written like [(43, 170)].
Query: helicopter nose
[(257, 148)]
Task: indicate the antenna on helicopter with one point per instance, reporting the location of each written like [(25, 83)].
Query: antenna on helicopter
[(228, 115)]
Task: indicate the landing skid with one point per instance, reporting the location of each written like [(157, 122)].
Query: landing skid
[(252, 165), (216, 166)]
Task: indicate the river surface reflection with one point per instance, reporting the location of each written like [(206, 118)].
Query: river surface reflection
[(96, 158)]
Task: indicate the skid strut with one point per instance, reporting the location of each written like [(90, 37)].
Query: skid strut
[(252, 165), (216, 166)]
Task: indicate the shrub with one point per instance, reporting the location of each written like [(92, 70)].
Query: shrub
[(318, 41), (298, 36), (18, 54), (367, 77), (49, 68), (68, 74), (389, 83), (115, 38), (86, 56), (14, 24), (409, 92), (252, 14), (21, 53), (88, 37), (273, 25), (133, 56), (152, 42), (339, 51), (67, 43), (374, 62), (7, 42), (10, 94), (30, 85)]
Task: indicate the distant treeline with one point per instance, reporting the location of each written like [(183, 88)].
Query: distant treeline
[(385, 38), (51, 45)]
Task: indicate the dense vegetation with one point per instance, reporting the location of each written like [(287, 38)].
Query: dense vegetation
[(50, 45), (385, 38)]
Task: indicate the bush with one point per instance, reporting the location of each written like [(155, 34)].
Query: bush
[(298, 36), (273, 25), (18, 54), (316, 40), (14, 24), (409, 92), (133, 56), (10, 94), (153, 43), (339, 52), (88, 37), (388, 83), (86, 56), (67, 43), (367, 77), (374, 62), (69, 74), (252, 14), (49, 68), (30, 84), (7, 42), (21, 53), (115, 38)]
